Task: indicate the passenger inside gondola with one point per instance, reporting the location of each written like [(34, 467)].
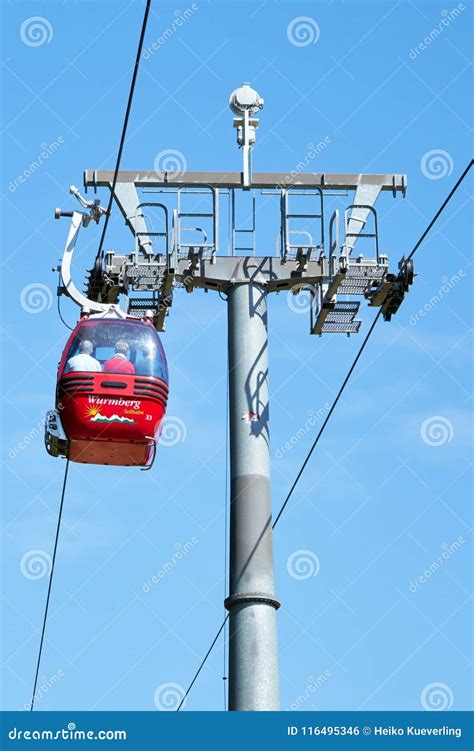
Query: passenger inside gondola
[(145, 366), (119, 362), (83, 361)]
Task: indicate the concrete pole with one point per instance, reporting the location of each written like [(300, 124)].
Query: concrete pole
[(253, 656)]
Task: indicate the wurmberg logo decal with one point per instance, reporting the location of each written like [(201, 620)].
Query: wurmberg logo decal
[(134, 403), (113, 418)]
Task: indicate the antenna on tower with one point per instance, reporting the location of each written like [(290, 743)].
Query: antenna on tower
[(246, 102)]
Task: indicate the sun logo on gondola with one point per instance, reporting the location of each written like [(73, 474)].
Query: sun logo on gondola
[(92, 411)]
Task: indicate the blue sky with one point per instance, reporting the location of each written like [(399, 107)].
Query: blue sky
[(388, 491)]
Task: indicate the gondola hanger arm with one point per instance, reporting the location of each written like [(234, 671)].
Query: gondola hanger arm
[(79, 219)]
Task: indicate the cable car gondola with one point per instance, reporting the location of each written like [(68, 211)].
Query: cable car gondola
[(111, 393)]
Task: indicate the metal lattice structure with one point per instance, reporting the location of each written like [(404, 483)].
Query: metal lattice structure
[(182, 252)]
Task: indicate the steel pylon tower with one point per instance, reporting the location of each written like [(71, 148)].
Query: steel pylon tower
[(253, 655), (310, 255)]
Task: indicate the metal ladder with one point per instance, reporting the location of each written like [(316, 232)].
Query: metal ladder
[(202, 247), (300, 251), (139, 212), (347, 276), (143, 270), (242, 230), (332, 316), (361, 271)]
